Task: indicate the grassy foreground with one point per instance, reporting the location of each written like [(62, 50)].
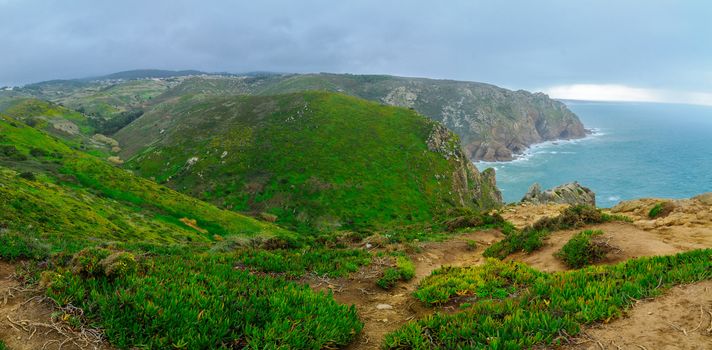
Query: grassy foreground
[(155, 268), (512, 306)]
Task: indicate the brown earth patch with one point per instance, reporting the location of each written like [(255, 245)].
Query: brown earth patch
[(680, 319), (361, 290), (26, 320)]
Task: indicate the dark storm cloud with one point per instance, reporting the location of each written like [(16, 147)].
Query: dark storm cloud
[(518, 44)]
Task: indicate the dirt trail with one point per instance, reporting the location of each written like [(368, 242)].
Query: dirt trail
[(385, 311), (681, 319), (680, 306), (25, 320)]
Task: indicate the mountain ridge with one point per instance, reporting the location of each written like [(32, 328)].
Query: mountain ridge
[(494, 124)]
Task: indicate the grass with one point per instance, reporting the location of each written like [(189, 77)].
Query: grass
[(403, 271), (200, 301), (661, 209), (513, 306), (316, 161), (3, 346), (155, 268), (76, 196), (532, 237), (583, 249)]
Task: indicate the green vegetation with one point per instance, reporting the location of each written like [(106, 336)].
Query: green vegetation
[(583, 249), (660, 210), (532, 237), (16, 246), (200, 301), (514, 306), (316, 161), (403, 271), (471, 244), (3, 346), (294, 263), (155, 268)]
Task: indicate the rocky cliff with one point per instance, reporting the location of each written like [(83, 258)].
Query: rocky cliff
[(570, 193)]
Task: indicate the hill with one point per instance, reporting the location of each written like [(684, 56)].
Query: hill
[(146, 74), (493, 123), (315, 159), (151, 267), (69, 197)]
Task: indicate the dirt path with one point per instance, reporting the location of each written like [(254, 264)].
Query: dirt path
[(631, 240), (26, 322), (681, 319), (385, 311)]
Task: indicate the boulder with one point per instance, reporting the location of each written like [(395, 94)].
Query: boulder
[(570, 193)]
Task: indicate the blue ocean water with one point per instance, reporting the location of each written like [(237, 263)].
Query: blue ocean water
[(637, 150)]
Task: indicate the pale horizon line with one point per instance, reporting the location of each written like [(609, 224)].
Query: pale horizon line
[(625, 93)]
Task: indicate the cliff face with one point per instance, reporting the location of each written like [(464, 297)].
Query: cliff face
[(472, 187), (494, 124)]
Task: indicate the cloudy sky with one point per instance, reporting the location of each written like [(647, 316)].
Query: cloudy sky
[(652, 50)]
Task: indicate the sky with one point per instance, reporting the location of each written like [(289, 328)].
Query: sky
[(652, 50)]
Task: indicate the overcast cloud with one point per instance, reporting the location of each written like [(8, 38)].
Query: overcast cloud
[(656, 48)]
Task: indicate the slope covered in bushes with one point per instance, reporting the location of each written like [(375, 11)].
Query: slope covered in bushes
[(315, 160)]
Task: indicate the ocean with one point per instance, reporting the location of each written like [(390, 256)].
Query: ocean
[(636, 150)]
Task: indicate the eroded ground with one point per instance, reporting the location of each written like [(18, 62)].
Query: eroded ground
[(651, 324), (26, 321)]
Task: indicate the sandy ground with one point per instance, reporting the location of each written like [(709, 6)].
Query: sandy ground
[(681, 319), (26, 322)]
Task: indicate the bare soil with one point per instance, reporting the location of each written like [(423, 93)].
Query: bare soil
[(681, 319), (26, 320)]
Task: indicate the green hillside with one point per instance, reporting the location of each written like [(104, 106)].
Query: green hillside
[(67, 193), (154, 268), (315, 160), (493, 123)]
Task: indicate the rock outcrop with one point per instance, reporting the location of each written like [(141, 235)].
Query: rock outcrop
[(471, 186), (570, 193), (695, 212)]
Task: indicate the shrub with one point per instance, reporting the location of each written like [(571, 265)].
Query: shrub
[(10, 152), (38, 152), (465, 217), (27, 175), (18, 246), (403, 271), (583, 249), (87, 262), (471, 245), (571, 217), (2, 345), (390, 277), (531, 238), (661, 210), (528, 240), (119, 264)]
